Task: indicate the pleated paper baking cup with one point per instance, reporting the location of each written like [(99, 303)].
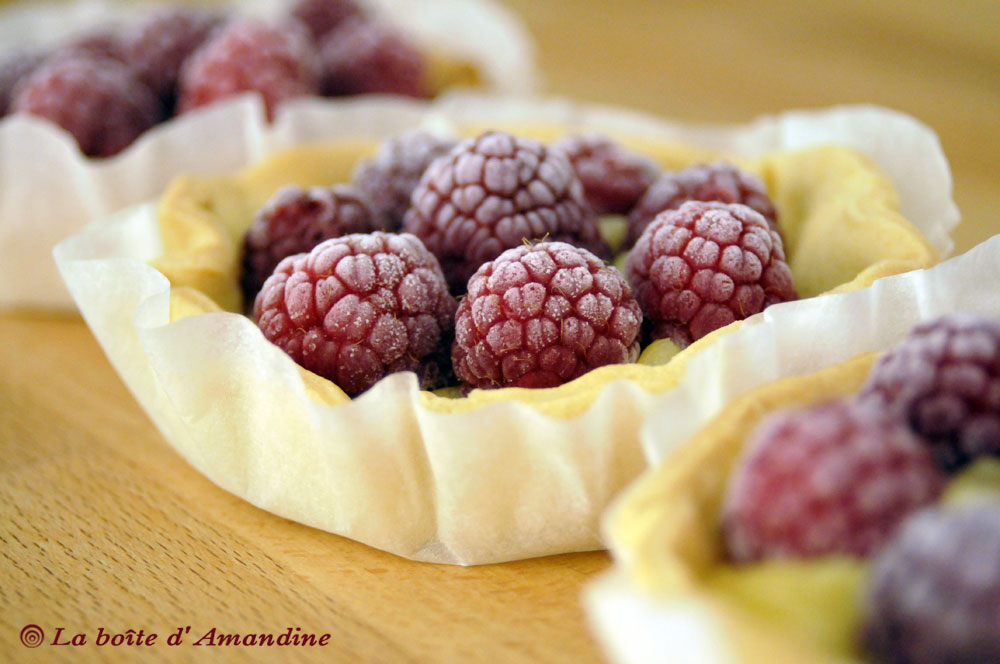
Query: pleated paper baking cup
[(503, 474), (670, 597), (51, 190)]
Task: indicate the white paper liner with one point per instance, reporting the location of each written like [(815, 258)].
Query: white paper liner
[(50, 190), (500, 483), (812, 335)]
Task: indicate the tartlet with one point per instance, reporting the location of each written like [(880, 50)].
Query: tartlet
[(664, 531), (499, 475)]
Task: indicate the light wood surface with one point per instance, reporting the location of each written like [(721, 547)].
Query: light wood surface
[(103, 526)]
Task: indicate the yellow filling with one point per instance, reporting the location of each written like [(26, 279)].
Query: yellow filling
[(839, 215)]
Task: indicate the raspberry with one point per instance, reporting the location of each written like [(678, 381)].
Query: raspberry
[(95, 99), (364, 56), (490, 194), (834, 478), (276, 60), (542, 315), (296, 220), (705, 265), (720, 182), (944, 380), (390, 177), (322, 16), (613, 179), (357, 308), (934, 594), (16, 66), (158, 45), (101, 42)]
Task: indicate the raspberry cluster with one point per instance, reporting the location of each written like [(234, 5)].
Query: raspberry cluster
[(183, 58)]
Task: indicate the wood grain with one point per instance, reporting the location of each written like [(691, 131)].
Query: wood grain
[(104, 526)]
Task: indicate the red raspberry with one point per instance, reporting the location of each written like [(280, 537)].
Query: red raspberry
[(364, 56), (357, 308), (390, 177), (16, 66), (322, 16), (276, 60), (492, 193), (934, 594), (835, 478), (720, 182), (944, 380), (296, 220), (95, 99), (613, 178), (158, 45), (542, 315), (102, 42), (706, 265)]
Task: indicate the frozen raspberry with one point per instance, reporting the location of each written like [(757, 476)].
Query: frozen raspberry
[(276, 60), (161, 41), (102, 42), (720, 182), (296, 220), (95, 99), (492, 193), (542, 315), (705, 265), (364, 56), (389, 178), (16, 66), (835, 478), (934, 594), (944, 380), (613, 178), (357, 308), (322, 16)]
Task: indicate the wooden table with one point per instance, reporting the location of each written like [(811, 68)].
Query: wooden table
[(105, 527)]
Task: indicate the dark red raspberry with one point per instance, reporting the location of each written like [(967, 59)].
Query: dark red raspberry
[(16, 66), (705, 265), (934, 594), (322, 16), (357, 308), (95, 99), (944, 380), (365, 56), (389, 178), (613, 178), (104, 42), (720, 182), (157, 45), (293, 222), (834, 478), (277, 60), (542, 315), (492, 193)]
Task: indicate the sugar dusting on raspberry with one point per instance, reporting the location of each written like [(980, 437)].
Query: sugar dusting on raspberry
[(613, 178), (96, 99), (357, 308), (542, 315), (294, 221), (276, 60), (389, 178), (835, 478), (934, 593), (705, 265), (944, 380), (719, 181), (492, 193)]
